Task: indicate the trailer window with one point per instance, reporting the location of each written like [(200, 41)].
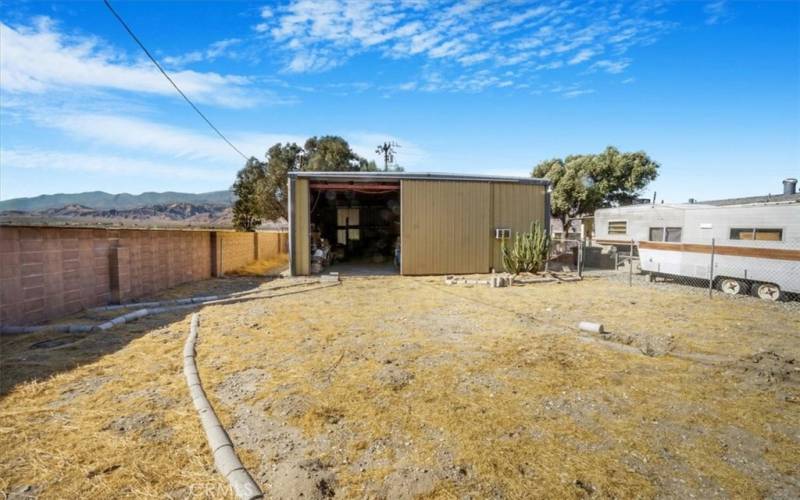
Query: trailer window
[(656, 234), (672, 234), (617, 227), (769, 234), (762, 234)]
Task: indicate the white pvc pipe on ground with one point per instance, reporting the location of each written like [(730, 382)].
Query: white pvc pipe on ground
[(225, 459), (588, 326)]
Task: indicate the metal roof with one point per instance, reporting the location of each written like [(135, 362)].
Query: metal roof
[(397, 176)]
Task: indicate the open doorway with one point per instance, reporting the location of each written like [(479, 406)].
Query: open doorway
[(355, 227)]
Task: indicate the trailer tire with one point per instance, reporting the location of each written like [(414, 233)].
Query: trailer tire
[(731, 286), (767, 291)]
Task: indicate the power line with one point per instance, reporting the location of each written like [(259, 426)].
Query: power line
[(136, 39)]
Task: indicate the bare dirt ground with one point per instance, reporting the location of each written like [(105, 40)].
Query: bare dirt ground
[(405, 387)]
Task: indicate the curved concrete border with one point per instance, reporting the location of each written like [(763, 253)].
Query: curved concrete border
[(197, 299), (181, 304), (225, 459)]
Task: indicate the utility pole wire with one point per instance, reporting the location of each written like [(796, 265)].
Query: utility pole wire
[(136, 39)]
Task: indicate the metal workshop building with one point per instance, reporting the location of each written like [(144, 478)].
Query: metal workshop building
[(442, 223)]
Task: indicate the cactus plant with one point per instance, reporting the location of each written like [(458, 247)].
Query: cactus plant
[(528, 252)]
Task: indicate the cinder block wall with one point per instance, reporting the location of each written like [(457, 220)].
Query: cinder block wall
[(50, 272), (237, 250), (271, 244)]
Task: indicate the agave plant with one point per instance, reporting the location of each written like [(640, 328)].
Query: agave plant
[(528, 252)]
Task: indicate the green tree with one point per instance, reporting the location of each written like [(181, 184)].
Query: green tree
[(262, 188), (330, 153), (584, 183), (246, 208), (272, 190)]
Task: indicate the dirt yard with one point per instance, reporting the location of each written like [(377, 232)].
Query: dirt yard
[(406, 387)]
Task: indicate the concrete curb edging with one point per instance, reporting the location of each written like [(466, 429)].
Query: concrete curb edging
[(225, 459), (141, 313), (196, 299)]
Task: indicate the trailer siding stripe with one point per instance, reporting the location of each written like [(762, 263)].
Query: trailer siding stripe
[(759, 253)]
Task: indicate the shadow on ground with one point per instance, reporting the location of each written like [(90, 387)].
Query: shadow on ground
[(38, 356)]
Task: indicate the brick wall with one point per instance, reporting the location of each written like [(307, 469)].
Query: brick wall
[(50, 272)]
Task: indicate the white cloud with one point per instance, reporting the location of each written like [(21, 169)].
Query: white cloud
[(577, 92), (518, 19), (139, 135), (613, 67), (170, 144), (48, 160), (310, 61), (582, 56), (716, 11), (214, 51), (39, 59), (458, 39)]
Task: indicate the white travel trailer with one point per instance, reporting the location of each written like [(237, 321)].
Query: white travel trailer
[(756, 246)]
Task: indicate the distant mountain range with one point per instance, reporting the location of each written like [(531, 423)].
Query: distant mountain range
[(170, 209), (100, 200)]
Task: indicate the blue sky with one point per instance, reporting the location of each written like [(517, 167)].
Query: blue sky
[(711, 90)]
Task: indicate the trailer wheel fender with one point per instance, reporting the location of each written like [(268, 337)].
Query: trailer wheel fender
[(767, 291)]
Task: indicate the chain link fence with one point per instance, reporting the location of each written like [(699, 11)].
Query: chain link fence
[(769, 270)]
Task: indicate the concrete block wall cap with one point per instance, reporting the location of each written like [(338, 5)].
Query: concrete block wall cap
[(12, 330), (201, 405), (204, 299), (198, 396), (140, 313), (80, 328), (225, 460), (217, 437), (243, 485), (193, 379), (196, 391), (209, 419)]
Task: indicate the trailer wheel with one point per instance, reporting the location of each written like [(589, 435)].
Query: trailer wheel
[(767, 291), (731, 286)]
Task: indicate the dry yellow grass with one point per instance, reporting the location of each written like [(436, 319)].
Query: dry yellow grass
[(390, 382), (266, 267)]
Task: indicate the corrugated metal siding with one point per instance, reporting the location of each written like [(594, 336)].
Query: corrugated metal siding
[(445, 227), (514, 206), (301, 219)]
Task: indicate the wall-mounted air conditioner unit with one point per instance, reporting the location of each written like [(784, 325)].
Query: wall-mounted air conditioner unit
[(502, 233)]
